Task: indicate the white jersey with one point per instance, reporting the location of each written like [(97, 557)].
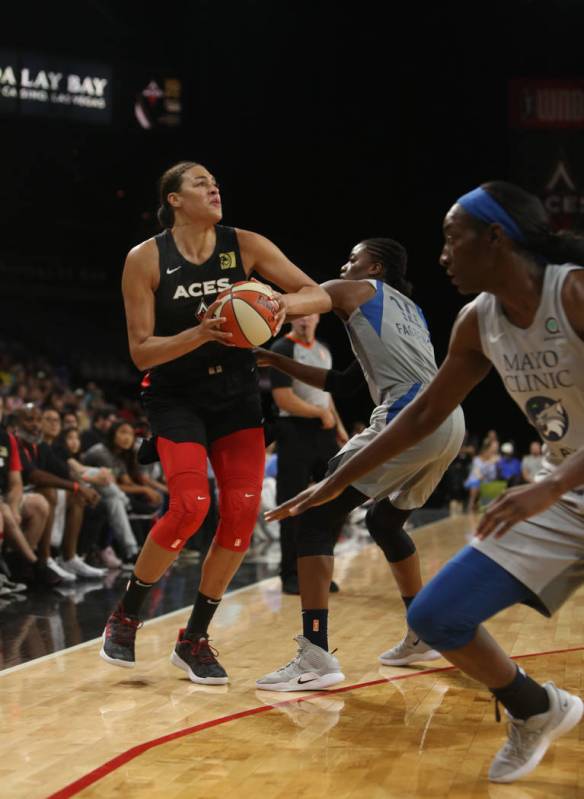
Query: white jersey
[(390, 338), (542, 367)]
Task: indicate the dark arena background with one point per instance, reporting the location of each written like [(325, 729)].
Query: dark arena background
[(324, 123)]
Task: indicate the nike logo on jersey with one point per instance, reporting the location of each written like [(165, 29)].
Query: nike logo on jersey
[(201, 497), (303, 682), (494, 339), (249, 495), (176, 268)]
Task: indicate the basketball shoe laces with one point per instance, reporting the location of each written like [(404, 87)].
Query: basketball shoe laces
[(123, 629), (203, 650)]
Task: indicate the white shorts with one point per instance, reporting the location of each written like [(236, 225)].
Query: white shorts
[(411, 477), (544, 552)]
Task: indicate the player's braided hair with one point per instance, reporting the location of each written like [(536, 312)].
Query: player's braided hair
[(394, 259), (169, 182)]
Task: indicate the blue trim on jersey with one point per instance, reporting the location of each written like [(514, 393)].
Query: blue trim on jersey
[(372, 310), (401, 402), (423, 318)]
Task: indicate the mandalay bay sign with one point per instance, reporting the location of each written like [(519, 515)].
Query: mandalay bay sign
[(33, 84)]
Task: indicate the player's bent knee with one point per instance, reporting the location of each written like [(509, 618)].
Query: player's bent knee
[(185, 515), (395, 544), (443, 628), (313, 542), (239, 505)]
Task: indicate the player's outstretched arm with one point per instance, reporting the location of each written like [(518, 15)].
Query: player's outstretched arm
[(303, 296), (312, 375), (139, 283), (342, 383), (464, 367)]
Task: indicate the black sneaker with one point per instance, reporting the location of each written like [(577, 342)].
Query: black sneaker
[(199, 660), (45, 576), (119, 638)]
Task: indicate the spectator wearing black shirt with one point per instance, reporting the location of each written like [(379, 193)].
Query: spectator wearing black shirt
[(103, 418), (23, 516), (43, 469)]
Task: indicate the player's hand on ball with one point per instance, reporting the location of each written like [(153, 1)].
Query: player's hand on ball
[(280, 299), (317, 494), (210, 329)]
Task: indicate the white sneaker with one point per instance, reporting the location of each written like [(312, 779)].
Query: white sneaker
[(109, 558), (12, 587), (411, 649), (529, 739), (77, 567), (66, 576), (311, 670)]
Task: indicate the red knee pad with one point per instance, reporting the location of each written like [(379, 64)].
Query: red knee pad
[(239, 504), (238, 462), (185, 467)]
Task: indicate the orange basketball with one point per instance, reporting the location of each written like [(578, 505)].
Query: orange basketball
[(250, 313)]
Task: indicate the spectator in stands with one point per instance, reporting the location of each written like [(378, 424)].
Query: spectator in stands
[(103, 418), (46, 472), (70, 418), (22, 518), (68, 447), (531, 464), (483, 470), (508, 466), (118, 454), (50, 425)]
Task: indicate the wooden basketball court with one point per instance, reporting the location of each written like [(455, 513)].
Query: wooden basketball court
[(74, 726)]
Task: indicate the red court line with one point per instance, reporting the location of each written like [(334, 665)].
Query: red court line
[(130, 754)]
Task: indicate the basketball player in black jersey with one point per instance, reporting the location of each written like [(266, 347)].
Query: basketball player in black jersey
[(201, 397)]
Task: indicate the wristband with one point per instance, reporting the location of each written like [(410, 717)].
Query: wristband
[(75, 487)]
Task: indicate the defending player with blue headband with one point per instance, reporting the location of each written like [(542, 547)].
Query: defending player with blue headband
[(480, 204)]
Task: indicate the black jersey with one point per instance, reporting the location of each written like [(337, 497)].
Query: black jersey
[(185, 292)]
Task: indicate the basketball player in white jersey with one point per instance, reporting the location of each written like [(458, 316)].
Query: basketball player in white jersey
[(391, 341), (528, 323)]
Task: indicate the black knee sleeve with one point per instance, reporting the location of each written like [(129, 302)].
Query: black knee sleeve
[(385, 525), (318, 528)]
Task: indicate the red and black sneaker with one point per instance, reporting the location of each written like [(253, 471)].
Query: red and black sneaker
[(119, 638), (199, 660)]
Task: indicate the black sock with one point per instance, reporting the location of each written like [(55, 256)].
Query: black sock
[(407, 600), (203, 611), (136, 593), (523, 697), (315, 627)]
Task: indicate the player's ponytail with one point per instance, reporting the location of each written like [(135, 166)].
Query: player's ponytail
[(538, 239), (171, 181)]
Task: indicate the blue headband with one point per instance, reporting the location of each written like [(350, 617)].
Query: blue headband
[(480, 204)]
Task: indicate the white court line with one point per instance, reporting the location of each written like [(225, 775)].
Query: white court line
[(85, 644)]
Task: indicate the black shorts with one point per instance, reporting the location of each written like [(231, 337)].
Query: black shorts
[(217, 405)]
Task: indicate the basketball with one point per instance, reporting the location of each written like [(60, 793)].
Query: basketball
[(250, 313)]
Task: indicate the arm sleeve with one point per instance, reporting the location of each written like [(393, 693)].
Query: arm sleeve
[(345, 383), (278, 379), (14, 462)]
